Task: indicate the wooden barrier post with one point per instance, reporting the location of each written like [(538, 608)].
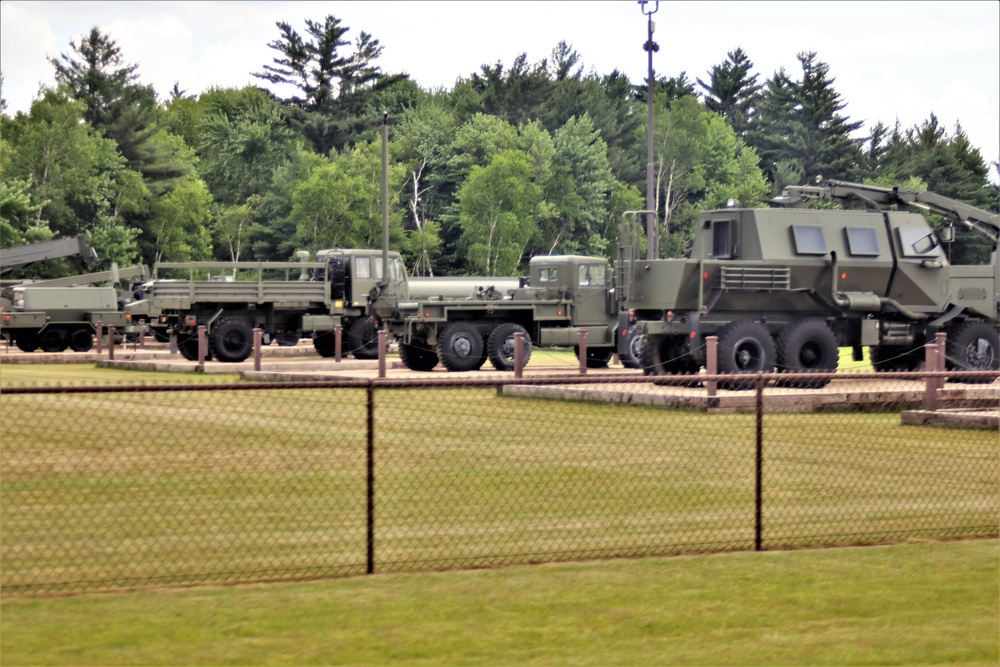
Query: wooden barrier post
[(111, 343), (258, 340), (583, 351), (518, 354), (712, 364), (338, 343), (381, 352), (202, 349), (99, 327)]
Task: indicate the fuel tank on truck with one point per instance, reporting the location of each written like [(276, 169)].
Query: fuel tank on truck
[(458, 287)]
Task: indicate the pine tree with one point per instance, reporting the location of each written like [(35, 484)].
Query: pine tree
[(335, 86), (732, 91)]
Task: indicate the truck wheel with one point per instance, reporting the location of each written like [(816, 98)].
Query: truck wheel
[(288, 339), (500, 346), (325, 344), (362, 338), (633, 345), (973, 346), (895, 358), (26, 342), (744, 347), (417, 356), (53, 340), (188, 347), (668, 355), (460, 347), (232, 340), (81, 340), (597, 357), (807, 346)]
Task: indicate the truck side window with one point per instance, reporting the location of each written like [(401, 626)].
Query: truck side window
[(548, 275), (809, 240), (363, 268), (592, 275), (918, 242), (722, 239), (862, 241)]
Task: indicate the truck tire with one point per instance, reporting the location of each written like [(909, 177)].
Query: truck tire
[(634, 345), (895, 358), (597, 357), (418, 357), (188, 347), (81, 340), (973, 346), (26, 341), (362, 338), (460, 347), (667, 355), (807, 346), (325, 344), (288, 339), (745, 347), (500, 346), (232, 340), (53, 340)]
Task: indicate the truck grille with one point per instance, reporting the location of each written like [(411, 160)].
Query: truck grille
[(756, 277)]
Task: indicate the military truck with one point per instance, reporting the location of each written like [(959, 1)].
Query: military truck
[(59, 313), (784, 288), (56, 318), (286, 300), (562, 296)]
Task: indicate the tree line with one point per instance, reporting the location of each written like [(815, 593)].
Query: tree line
[(512, 161)]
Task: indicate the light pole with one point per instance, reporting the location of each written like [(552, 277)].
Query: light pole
[(650, 47)]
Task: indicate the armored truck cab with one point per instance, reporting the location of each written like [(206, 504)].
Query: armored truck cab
[(784, 288)]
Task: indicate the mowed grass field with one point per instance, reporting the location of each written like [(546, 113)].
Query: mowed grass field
[(145, 489), (916, 604)]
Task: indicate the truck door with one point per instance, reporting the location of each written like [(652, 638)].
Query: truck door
[(590, 295)]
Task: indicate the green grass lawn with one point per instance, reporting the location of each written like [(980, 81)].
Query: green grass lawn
[(931, 603), (22, 375), (134, 489)]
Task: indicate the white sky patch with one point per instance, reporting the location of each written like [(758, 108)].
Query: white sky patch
[(889, 59)]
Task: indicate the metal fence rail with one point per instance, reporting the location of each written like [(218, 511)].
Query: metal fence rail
[(116, 487)]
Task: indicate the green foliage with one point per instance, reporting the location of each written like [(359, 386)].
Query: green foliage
[(581, 182), (800, 123), (178, 228), (700, 164), (335, 87), (243, 139), (19, 224), (497, 204), (339, 204), (732, 90)]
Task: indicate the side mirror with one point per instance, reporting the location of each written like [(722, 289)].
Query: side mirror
[(947, 234)]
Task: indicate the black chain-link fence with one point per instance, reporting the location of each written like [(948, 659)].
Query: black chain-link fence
[(107, 488)]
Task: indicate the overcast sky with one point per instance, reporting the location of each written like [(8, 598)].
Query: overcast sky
[(891, 60)]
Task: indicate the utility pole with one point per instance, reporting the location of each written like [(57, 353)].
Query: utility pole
[(650, 47)]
